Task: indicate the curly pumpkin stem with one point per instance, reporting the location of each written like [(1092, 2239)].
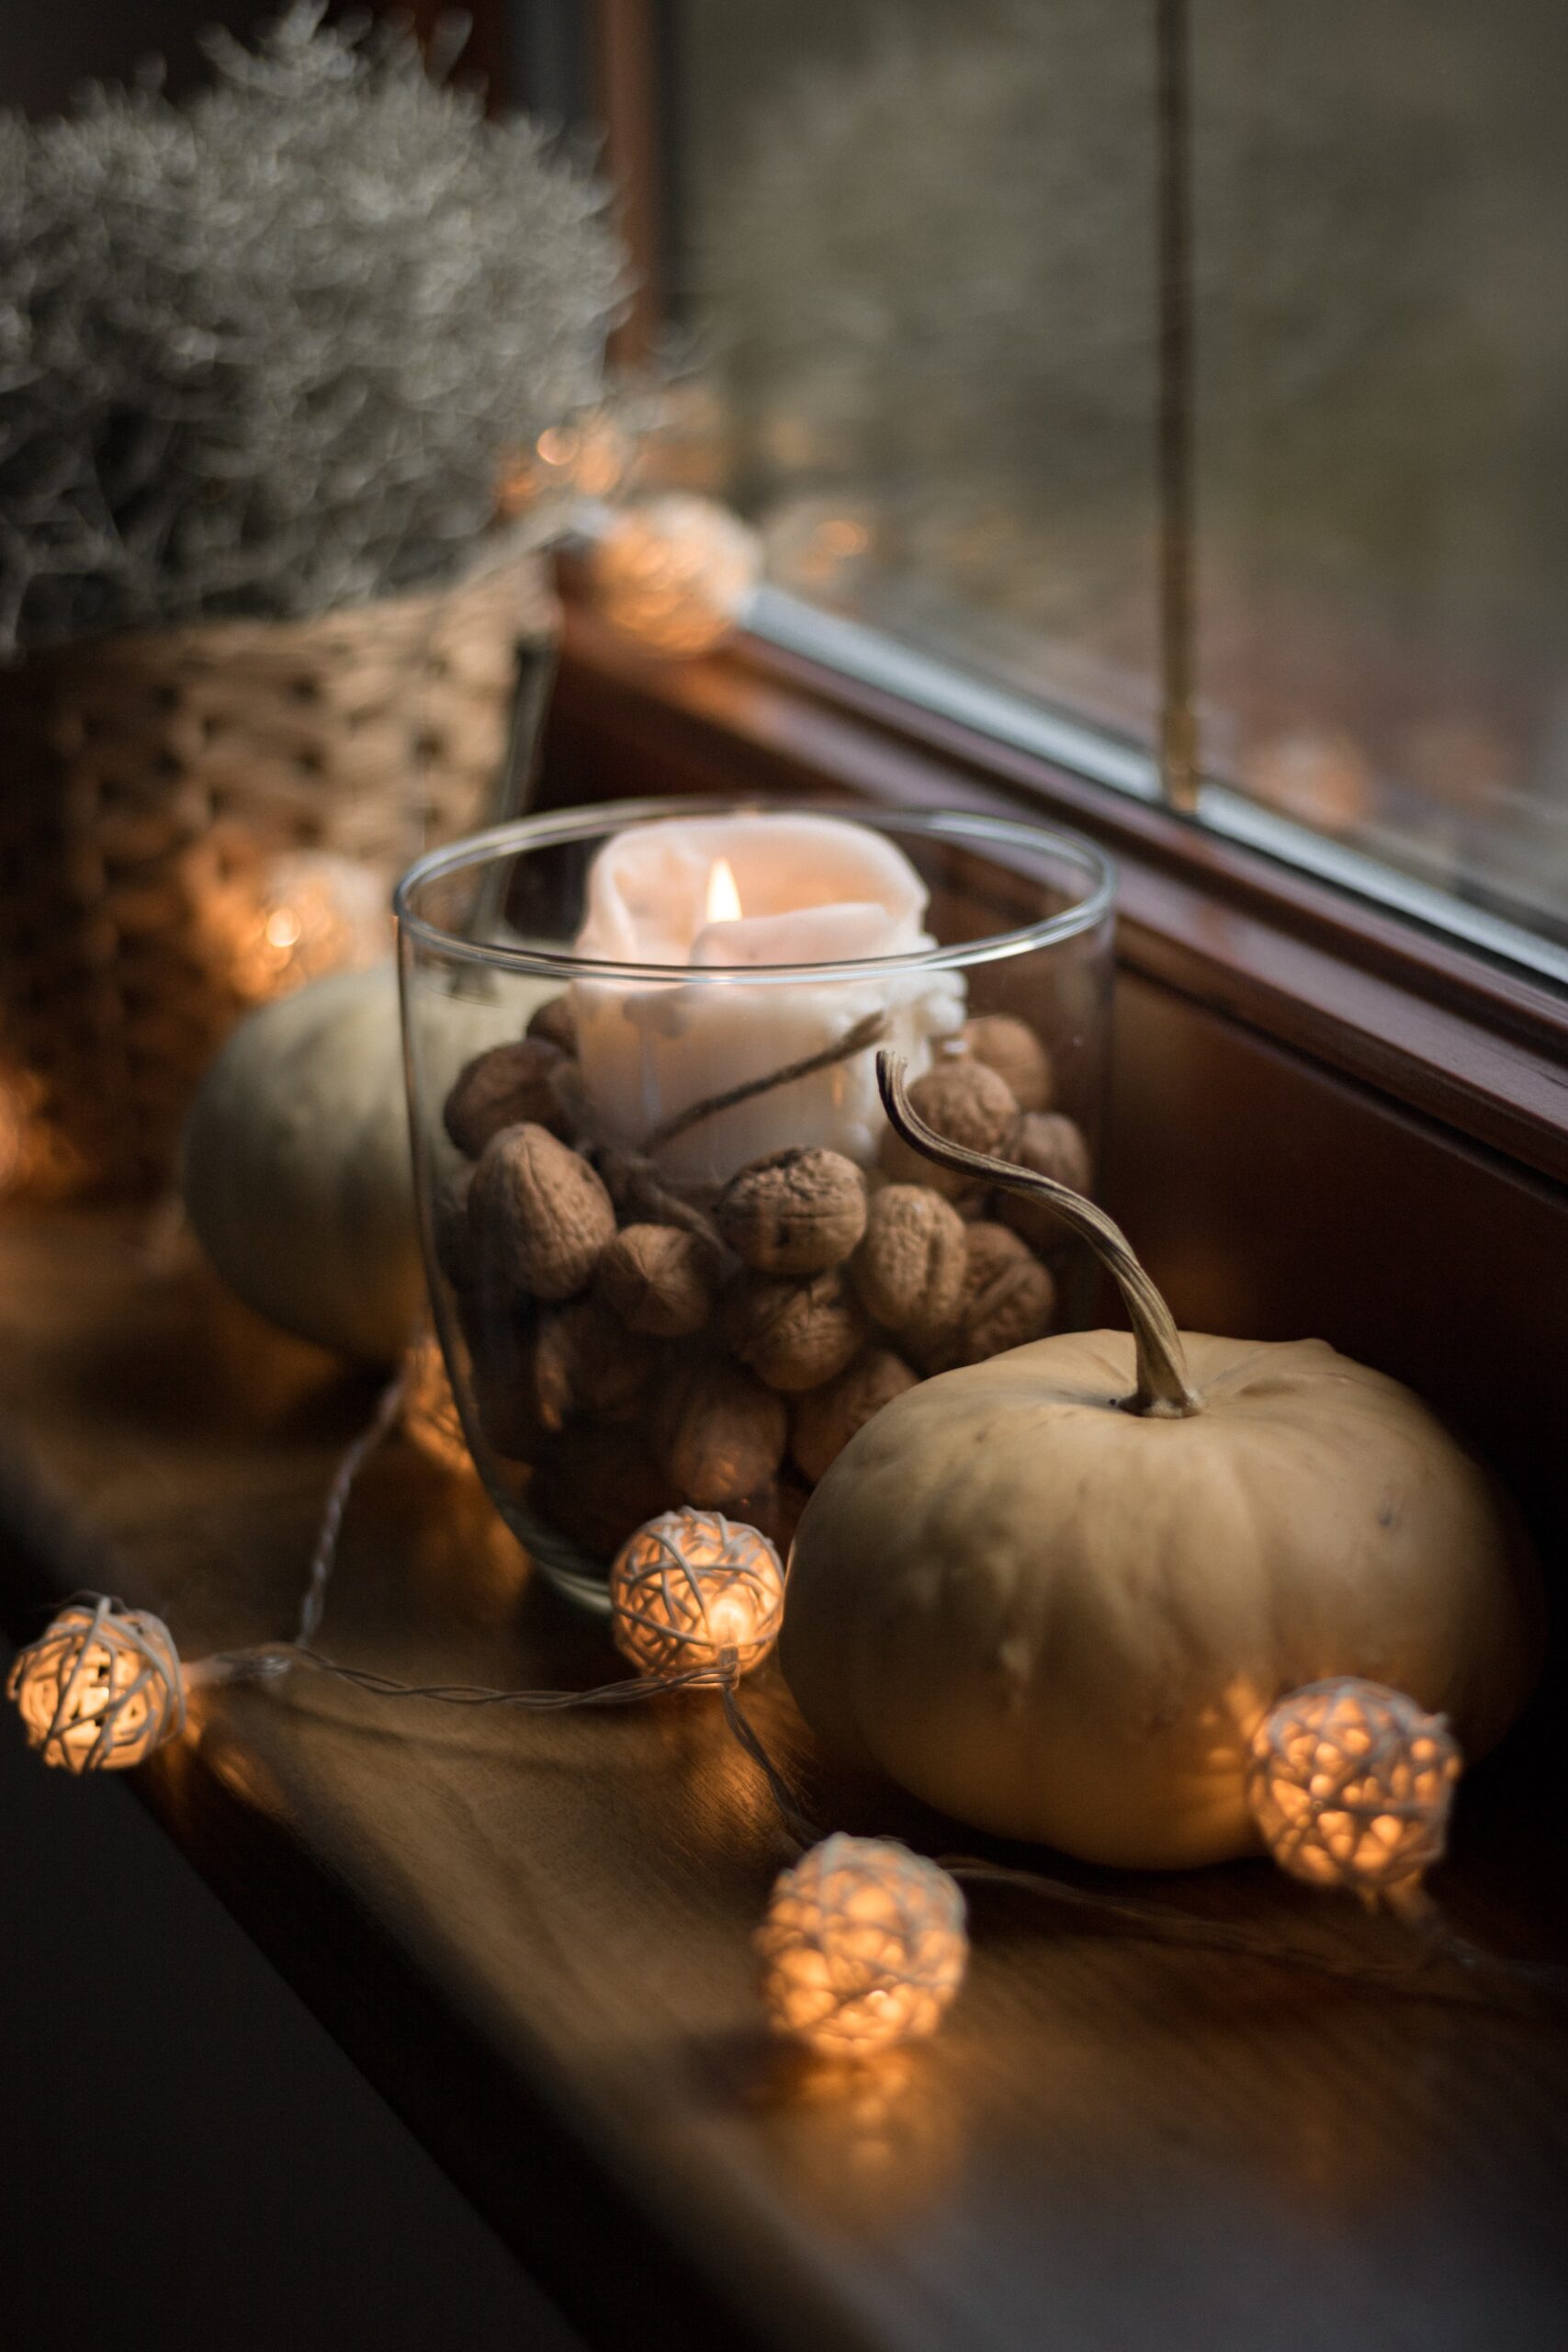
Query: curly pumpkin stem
[(1163, 1392)]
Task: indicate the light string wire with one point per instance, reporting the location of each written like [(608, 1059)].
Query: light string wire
[(1431, 1939), (323, 1559), (266, 1660)]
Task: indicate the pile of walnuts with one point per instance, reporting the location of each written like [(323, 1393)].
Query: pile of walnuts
[(642, 1348)]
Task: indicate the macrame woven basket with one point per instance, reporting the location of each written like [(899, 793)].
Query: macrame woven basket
[(149, 778)]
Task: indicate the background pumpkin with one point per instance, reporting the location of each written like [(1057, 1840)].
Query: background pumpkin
[(297, 1173), (1053, 1594)]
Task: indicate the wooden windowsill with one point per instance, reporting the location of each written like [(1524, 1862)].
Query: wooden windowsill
[(532, 1933)]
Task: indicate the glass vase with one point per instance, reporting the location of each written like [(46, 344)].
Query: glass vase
[(676, 1254)]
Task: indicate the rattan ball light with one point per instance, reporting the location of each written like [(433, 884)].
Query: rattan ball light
[(101, 1690), (693, 1591), (863, 1946), (1351, 1784)]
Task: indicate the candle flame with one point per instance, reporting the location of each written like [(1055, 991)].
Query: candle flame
[(723, 898)]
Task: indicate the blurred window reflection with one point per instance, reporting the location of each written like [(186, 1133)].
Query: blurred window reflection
[(919, 244)]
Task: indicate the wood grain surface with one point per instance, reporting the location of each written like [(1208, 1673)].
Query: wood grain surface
[(533, 1933)]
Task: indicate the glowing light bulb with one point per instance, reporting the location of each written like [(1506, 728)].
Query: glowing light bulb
[(101, 1689), (1351, 1784), (283, 928), (676, 574), (723, 897), (695, 1590), (863, 1946), (302, 916)]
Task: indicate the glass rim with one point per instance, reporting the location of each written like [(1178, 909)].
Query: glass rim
[(524, 833)]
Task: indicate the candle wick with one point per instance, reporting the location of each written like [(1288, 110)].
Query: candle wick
[(867, 1032)]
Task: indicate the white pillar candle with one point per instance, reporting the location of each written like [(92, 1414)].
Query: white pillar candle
[(727, 893)]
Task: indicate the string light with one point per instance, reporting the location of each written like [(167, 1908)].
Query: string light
[(1351, 1783), (101, 1689), (310, 913), (676, 574), (694, 1589), (863, 1946)]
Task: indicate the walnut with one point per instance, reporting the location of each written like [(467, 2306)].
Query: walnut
[(536, 1370), (1008, 1296), (450, 1227), (1055, 1146), (973, 1203), (540, 1217), (598, 1482), (502, 1368), (660, 1279), (719, 1432), (908, 1269), (503, 1087), (793, 1334), (825, 1418), (584, 1359), (643, 1197), (988, 1250), (965, 1102), (793, 1213), (555, 1022), (1013, 1051)]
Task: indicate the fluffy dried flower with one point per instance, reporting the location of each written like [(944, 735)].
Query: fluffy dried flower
[(263, 353)]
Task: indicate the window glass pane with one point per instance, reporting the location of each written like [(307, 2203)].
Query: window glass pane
[(919, 242), (1381, 208)]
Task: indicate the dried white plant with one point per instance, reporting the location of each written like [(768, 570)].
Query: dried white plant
[(264, 353)]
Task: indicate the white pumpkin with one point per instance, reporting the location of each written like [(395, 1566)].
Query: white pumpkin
[(297, 1170), (1054, 1594)]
